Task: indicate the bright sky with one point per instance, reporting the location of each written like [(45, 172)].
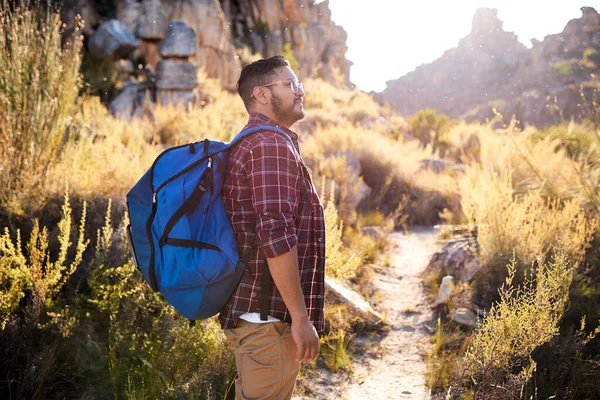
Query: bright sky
[(389, 38)]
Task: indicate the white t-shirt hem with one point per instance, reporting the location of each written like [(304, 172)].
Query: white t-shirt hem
[(254, 317)]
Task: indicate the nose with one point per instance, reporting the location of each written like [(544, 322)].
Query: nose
[(300, 90)]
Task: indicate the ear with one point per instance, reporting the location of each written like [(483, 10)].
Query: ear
[(261, 95)]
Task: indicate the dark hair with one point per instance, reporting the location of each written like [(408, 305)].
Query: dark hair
[(258, 73)]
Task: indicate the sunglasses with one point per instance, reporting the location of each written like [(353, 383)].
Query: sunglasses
[(295, 85)]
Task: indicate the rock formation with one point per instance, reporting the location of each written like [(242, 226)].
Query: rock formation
[(267, 26), (300, 29), (490, 69), (175, 78)]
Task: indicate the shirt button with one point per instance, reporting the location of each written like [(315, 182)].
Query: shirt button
[(253, 295), (320, 239), (319, 296)]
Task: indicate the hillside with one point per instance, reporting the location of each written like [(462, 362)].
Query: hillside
[(490, 69)]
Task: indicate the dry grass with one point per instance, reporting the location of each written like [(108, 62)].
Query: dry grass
[(39, 82), (530, 225)]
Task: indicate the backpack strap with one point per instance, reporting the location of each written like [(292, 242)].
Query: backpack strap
[(265, 286), (250, 131), (254, 129)]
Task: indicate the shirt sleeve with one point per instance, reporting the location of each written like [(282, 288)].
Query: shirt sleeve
[(274, 177)]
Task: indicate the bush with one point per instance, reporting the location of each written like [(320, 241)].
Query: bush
[(151, 349), (39, 82), (529, 224), (430, 128), (498, 363), (563, 68), (33, 313), (589, 54)]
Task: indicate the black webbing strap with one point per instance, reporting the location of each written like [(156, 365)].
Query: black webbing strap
[(189, 205), (191, 243), (265, 287), (305, 191)]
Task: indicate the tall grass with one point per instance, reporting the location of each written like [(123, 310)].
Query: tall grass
[(39, 82), (529, 225)]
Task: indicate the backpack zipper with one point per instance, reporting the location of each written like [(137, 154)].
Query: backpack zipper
[(150, 220)]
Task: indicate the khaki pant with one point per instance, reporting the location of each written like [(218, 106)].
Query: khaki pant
[(265, 357)]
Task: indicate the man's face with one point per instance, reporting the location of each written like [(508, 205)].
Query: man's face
[(287, 106)]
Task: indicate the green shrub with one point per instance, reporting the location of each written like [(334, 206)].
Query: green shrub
[(589, 56), (39, 82), (498, 363), (430, 128), (36, 272), (34, 315), (563, 68), (151, 349)]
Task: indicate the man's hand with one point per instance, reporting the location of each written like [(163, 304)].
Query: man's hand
[(306, 338)]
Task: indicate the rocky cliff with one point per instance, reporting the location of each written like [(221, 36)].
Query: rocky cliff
[(301, 29), (490, 69)]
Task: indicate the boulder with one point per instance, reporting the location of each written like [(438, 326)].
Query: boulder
[(296, 11), (376, 123), (215, 52), (464, 316), (180, 41), (176, 75), (351, 161), (176, 97), (439, 166), (112, 40), (457, 258), (221, 26), (123, 105), (436, 165)]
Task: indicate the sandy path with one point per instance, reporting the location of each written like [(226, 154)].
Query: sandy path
[(399, 373), (394, 368)]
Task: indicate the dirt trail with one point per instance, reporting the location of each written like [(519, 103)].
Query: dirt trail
[(396, 369), (400, 371)]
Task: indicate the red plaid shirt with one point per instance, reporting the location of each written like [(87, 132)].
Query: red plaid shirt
[(263, 197)]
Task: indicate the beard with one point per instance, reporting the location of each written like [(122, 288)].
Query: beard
[(286, 114)]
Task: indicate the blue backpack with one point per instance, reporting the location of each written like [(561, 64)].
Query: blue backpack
[(181, 238)]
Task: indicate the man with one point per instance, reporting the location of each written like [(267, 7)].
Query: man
[(277, 216)]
